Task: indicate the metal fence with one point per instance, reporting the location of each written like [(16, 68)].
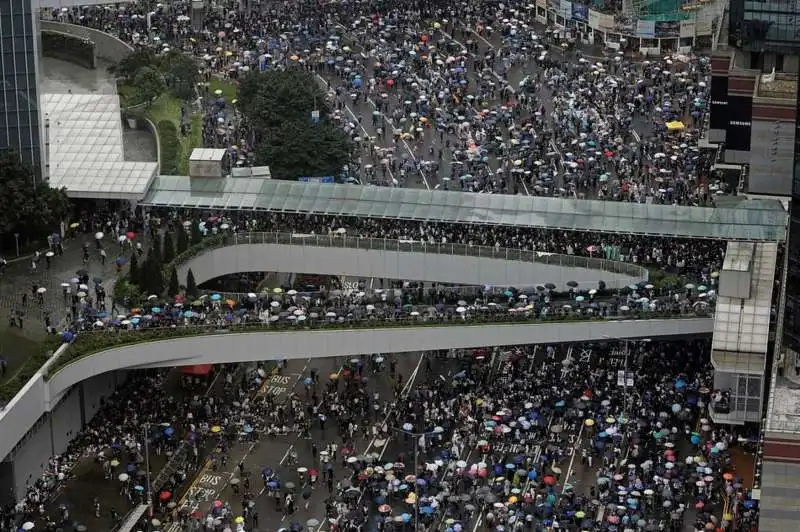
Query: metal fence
[(342, 240)]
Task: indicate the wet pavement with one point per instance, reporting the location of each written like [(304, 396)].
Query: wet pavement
[(378, 115), (285, 454)]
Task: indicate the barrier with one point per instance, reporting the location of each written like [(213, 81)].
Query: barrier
[(107, 46)]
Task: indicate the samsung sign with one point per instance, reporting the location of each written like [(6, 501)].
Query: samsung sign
[(324, 179)]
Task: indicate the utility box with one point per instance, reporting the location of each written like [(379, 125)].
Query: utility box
[(737, 270), (209, 162)]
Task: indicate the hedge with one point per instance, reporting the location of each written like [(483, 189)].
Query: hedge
[(69, 48), (32, 364), (170, 146), (89, 343)]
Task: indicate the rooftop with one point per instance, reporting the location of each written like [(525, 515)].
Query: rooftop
[(86, 152), (756, 220), (783, 87), (741, 326), (784, 410)]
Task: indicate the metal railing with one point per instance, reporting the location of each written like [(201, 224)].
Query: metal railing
[(336, 240)]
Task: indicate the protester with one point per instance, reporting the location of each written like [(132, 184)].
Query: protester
[(449, 95)]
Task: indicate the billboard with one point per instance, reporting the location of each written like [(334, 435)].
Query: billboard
[(740, 123), (719, 102), (580, 12), (646, 29)]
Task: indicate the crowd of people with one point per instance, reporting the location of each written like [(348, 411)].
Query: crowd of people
[(694, 258), (141, 410), (538, 441), (471, 96)]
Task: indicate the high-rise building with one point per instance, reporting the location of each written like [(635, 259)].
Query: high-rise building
[(767, 30), (20, 118)]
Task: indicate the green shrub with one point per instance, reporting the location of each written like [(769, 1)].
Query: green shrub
[(14, 384), (69, 48), (170, 146)]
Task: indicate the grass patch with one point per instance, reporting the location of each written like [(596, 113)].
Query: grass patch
[(228, 89), (167, 108)]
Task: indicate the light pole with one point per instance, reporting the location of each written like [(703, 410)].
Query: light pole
[(148, 488), (408, 430)]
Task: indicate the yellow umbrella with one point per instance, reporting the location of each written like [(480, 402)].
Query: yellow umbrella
[(277, 290), (216, 428), (675, 125), (589, 422), (345, 48), (436, 25), (228, 53), (114, 462), (234, 101), (512, 500), (294, 58), (74, 225), (239, 520)]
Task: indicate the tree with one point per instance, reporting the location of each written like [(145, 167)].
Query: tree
[(181, 74), (197, 236), (33, 211), (297, 149), (169, 249), (133, 269), (148, 84), (156, 248), (191, 285), (152, 278), (174, 284), (183, 241), (278, 105), (131, 64)]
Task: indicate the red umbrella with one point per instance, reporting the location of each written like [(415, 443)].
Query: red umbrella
[(165, 495), (549, 480), (131, 235)]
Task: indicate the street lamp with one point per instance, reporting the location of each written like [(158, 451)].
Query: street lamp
[(408, 430), (146, 437)]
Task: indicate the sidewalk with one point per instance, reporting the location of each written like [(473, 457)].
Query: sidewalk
[(16, 344)]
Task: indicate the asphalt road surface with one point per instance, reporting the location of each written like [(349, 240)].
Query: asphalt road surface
[(285, 454)]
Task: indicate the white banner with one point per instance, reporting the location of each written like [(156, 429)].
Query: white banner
[(687, 28)]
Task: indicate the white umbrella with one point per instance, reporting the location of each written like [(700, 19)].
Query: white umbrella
[(122, 238), (83, 287), (49, 254), (461, 310), (28, 526), (81, 294), (41, 290), (123, 477), (98, 235)]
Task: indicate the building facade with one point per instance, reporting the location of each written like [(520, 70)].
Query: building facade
[(20, 117), (753, 114)]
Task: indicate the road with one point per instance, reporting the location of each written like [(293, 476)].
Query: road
[(277, 452), (400, 145)]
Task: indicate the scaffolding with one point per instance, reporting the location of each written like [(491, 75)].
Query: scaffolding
[(662, 10)]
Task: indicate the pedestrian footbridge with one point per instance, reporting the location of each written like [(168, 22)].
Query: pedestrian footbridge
[(341, 254), (95, 354)]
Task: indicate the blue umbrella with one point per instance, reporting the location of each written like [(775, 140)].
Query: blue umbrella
[(532, 474), (138, 488), (273, 485), (426, 510), (215, 297), (169, 431), (120, 262), (248, 429), (421, 482), (188, 314), (308, 381)]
